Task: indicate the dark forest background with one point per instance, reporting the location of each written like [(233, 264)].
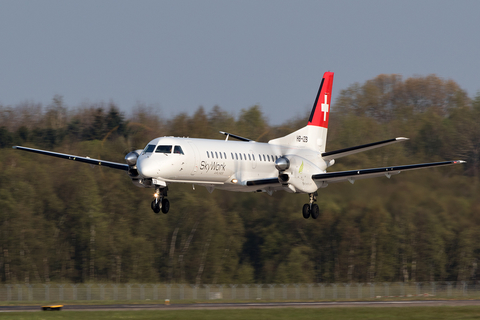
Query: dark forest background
[(68, 222)]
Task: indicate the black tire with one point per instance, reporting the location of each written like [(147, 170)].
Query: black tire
[(165, 205), (306, 211), (155, 206), (315, 212)]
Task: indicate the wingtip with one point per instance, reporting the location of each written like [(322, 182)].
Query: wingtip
[(14, 147), (459, 161), (401, 138)]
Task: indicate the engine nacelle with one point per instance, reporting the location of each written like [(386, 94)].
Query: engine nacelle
[(283, 178), (131, 159), (298, 176)]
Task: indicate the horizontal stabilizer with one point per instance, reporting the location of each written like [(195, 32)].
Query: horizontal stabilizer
[(365, 147), (353, 175), (114, 165), (236, 137)]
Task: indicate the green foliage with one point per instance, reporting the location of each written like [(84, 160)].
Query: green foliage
[(61, 221)]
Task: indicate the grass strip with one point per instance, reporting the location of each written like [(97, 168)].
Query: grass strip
[(393, 313)]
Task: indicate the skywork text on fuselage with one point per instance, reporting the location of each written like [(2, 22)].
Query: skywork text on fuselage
[(213, 166)]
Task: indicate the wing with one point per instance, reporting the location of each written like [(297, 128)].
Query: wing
[(352, 150), (262, 182), (353, 175), (114, 165)]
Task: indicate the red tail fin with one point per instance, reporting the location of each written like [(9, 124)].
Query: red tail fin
[(321, 107)]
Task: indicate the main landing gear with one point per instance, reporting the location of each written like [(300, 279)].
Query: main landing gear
[(311, 209), (160, 202)]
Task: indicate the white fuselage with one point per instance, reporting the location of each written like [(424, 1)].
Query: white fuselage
[(221, 164)]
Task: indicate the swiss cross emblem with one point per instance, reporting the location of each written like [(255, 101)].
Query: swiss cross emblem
[(325, 108)]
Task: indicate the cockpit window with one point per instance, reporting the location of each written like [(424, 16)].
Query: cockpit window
[(149, 148), (164, 149), (178, 150)]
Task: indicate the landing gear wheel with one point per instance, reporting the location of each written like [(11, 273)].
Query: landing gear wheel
[(165, 205), (315, 211), (160, 203), (306, 211), (155, 206)]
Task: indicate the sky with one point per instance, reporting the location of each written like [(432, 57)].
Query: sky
[(175, 56)]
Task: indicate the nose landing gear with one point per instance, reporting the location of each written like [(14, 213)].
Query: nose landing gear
[(160, 202), (311, 209)]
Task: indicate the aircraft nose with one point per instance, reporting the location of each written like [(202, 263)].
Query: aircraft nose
[(146, 167)]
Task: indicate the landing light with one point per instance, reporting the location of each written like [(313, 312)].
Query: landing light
[(156, 195), (234, 180)]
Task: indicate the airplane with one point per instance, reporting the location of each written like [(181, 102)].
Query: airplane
[(295, 163)]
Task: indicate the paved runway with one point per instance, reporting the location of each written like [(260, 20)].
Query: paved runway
[(213, 306)]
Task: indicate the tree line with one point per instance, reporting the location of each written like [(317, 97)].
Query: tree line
[(67, 222)]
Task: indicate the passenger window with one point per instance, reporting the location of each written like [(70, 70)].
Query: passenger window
[(260, 157), (208, 156), (264, 158), (249, 158), (253, 156), (233, 157), (220, 155), (244, 156), (178, 150), (224, 155), (268, 157), (241, 156), (216, 154), (236, 155), (164, 149)]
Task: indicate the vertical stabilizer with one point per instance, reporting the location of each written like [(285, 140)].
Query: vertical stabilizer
[(321, 108), (314, 134)]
